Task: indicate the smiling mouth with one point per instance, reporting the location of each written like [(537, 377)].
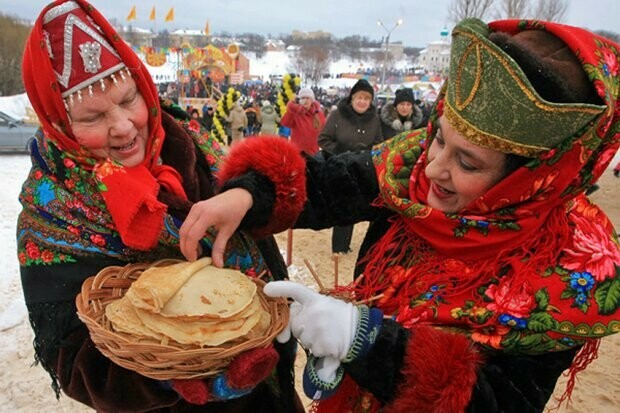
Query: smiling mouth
[(127, 147), (443, 190)]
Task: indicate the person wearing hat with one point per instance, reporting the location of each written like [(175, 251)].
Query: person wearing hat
[(402, 115), (270, 119), (238, 121), (354, 126), (114, 174), (486, 271), (305, 119)]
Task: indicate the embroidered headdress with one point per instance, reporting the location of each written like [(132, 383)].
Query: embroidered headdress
[(71, 50), (80, 54), (485, 82)]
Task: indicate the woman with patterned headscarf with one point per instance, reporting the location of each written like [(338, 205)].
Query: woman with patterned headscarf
[(114, 174), (486, 271)]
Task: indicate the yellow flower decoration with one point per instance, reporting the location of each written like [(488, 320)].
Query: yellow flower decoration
[(224, 106), (290, 86)]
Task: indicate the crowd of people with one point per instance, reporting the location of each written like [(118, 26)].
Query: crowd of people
[(256, 96), (485, 272)]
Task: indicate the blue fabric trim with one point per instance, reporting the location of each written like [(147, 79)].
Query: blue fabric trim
[(221, 390), (314, 387), (368, 326)]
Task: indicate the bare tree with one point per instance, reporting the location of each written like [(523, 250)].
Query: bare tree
[(460, 9), (14, 33), (312, 62), (512, 9), (613, 36), (551, 10)]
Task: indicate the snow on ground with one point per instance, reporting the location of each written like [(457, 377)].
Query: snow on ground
[(15, 106)]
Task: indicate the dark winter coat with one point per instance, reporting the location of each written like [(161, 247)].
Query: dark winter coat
[(392, 123), (346, 130)]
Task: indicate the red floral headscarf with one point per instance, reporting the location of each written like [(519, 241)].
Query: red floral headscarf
[(534, 230), (529, 267), (130, 194)]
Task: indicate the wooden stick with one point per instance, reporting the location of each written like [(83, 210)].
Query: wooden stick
[(289, 247), (314, 275), (336, 258), (357, 280), (368, 300)]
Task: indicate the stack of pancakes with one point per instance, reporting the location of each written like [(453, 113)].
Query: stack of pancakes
[(193, 303)]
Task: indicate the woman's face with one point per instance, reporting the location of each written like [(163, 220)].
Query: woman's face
[(360, 101), (113, 123), (458, 170), (404, 109), (306, 102)]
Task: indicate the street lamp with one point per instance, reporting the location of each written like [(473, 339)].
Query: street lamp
[(387, 45)]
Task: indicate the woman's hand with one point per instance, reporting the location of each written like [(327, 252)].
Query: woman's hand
[(223, 212)]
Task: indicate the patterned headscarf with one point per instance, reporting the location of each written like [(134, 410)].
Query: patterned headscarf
[(532, 265), (71, 49), (536, 224)]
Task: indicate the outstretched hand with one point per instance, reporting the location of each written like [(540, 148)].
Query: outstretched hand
[(224, 212), (322, 324), (333, 330)]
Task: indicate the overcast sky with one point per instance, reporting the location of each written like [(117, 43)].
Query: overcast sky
[(422, 19)]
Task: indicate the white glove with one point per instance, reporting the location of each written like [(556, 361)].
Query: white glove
[(324, 325)]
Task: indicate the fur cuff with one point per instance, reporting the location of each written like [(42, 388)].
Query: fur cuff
[(439, 373), (283, 165)]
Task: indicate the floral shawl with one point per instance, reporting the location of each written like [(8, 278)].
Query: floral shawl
[(529, 267), (532, 265), (65, 216), (130, 194)]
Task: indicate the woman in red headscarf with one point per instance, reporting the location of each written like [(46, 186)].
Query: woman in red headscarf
[(486, 269), (114, 174)]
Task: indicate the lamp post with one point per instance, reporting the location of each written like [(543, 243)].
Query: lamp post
[(387, 45)]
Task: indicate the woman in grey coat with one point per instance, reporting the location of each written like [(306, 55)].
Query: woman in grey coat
[(402, 115), (353, 126)]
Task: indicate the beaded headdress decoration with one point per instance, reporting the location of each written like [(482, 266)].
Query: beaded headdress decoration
[(81, 56), (491, 102)]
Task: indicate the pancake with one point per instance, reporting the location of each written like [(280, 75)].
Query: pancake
[(156, 285), (211, 292), (211, 332), (124, 318)]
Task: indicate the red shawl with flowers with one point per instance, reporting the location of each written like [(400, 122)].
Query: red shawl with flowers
[(130, 194), (532, 265)]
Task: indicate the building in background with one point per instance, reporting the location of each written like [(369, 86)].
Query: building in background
[(436, 57)]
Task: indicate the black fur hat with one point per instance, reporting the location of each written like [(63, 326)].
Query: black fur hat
[(362, 85), (549, 64), (404, 95)]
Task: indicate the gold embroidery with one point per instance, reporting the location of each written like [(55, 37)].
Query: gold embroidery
[(491, 103), (474, 89), (525, 88), (487, 140)]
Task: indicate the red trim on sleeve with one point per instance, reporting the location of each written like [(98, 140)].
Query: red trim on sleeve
[(281, 162), (440, 373)]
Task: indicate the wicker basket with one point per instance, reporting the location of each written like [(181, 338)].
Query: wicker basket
[(159, 360)]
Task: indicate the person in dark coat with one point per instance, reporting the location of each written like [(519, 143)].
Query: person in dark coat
[(402, 115), (354, 126), (207, 116), (114, 174), (476, 286)]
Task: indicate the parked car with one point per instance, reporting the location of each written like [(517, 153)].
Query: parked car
[(14, 134)]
